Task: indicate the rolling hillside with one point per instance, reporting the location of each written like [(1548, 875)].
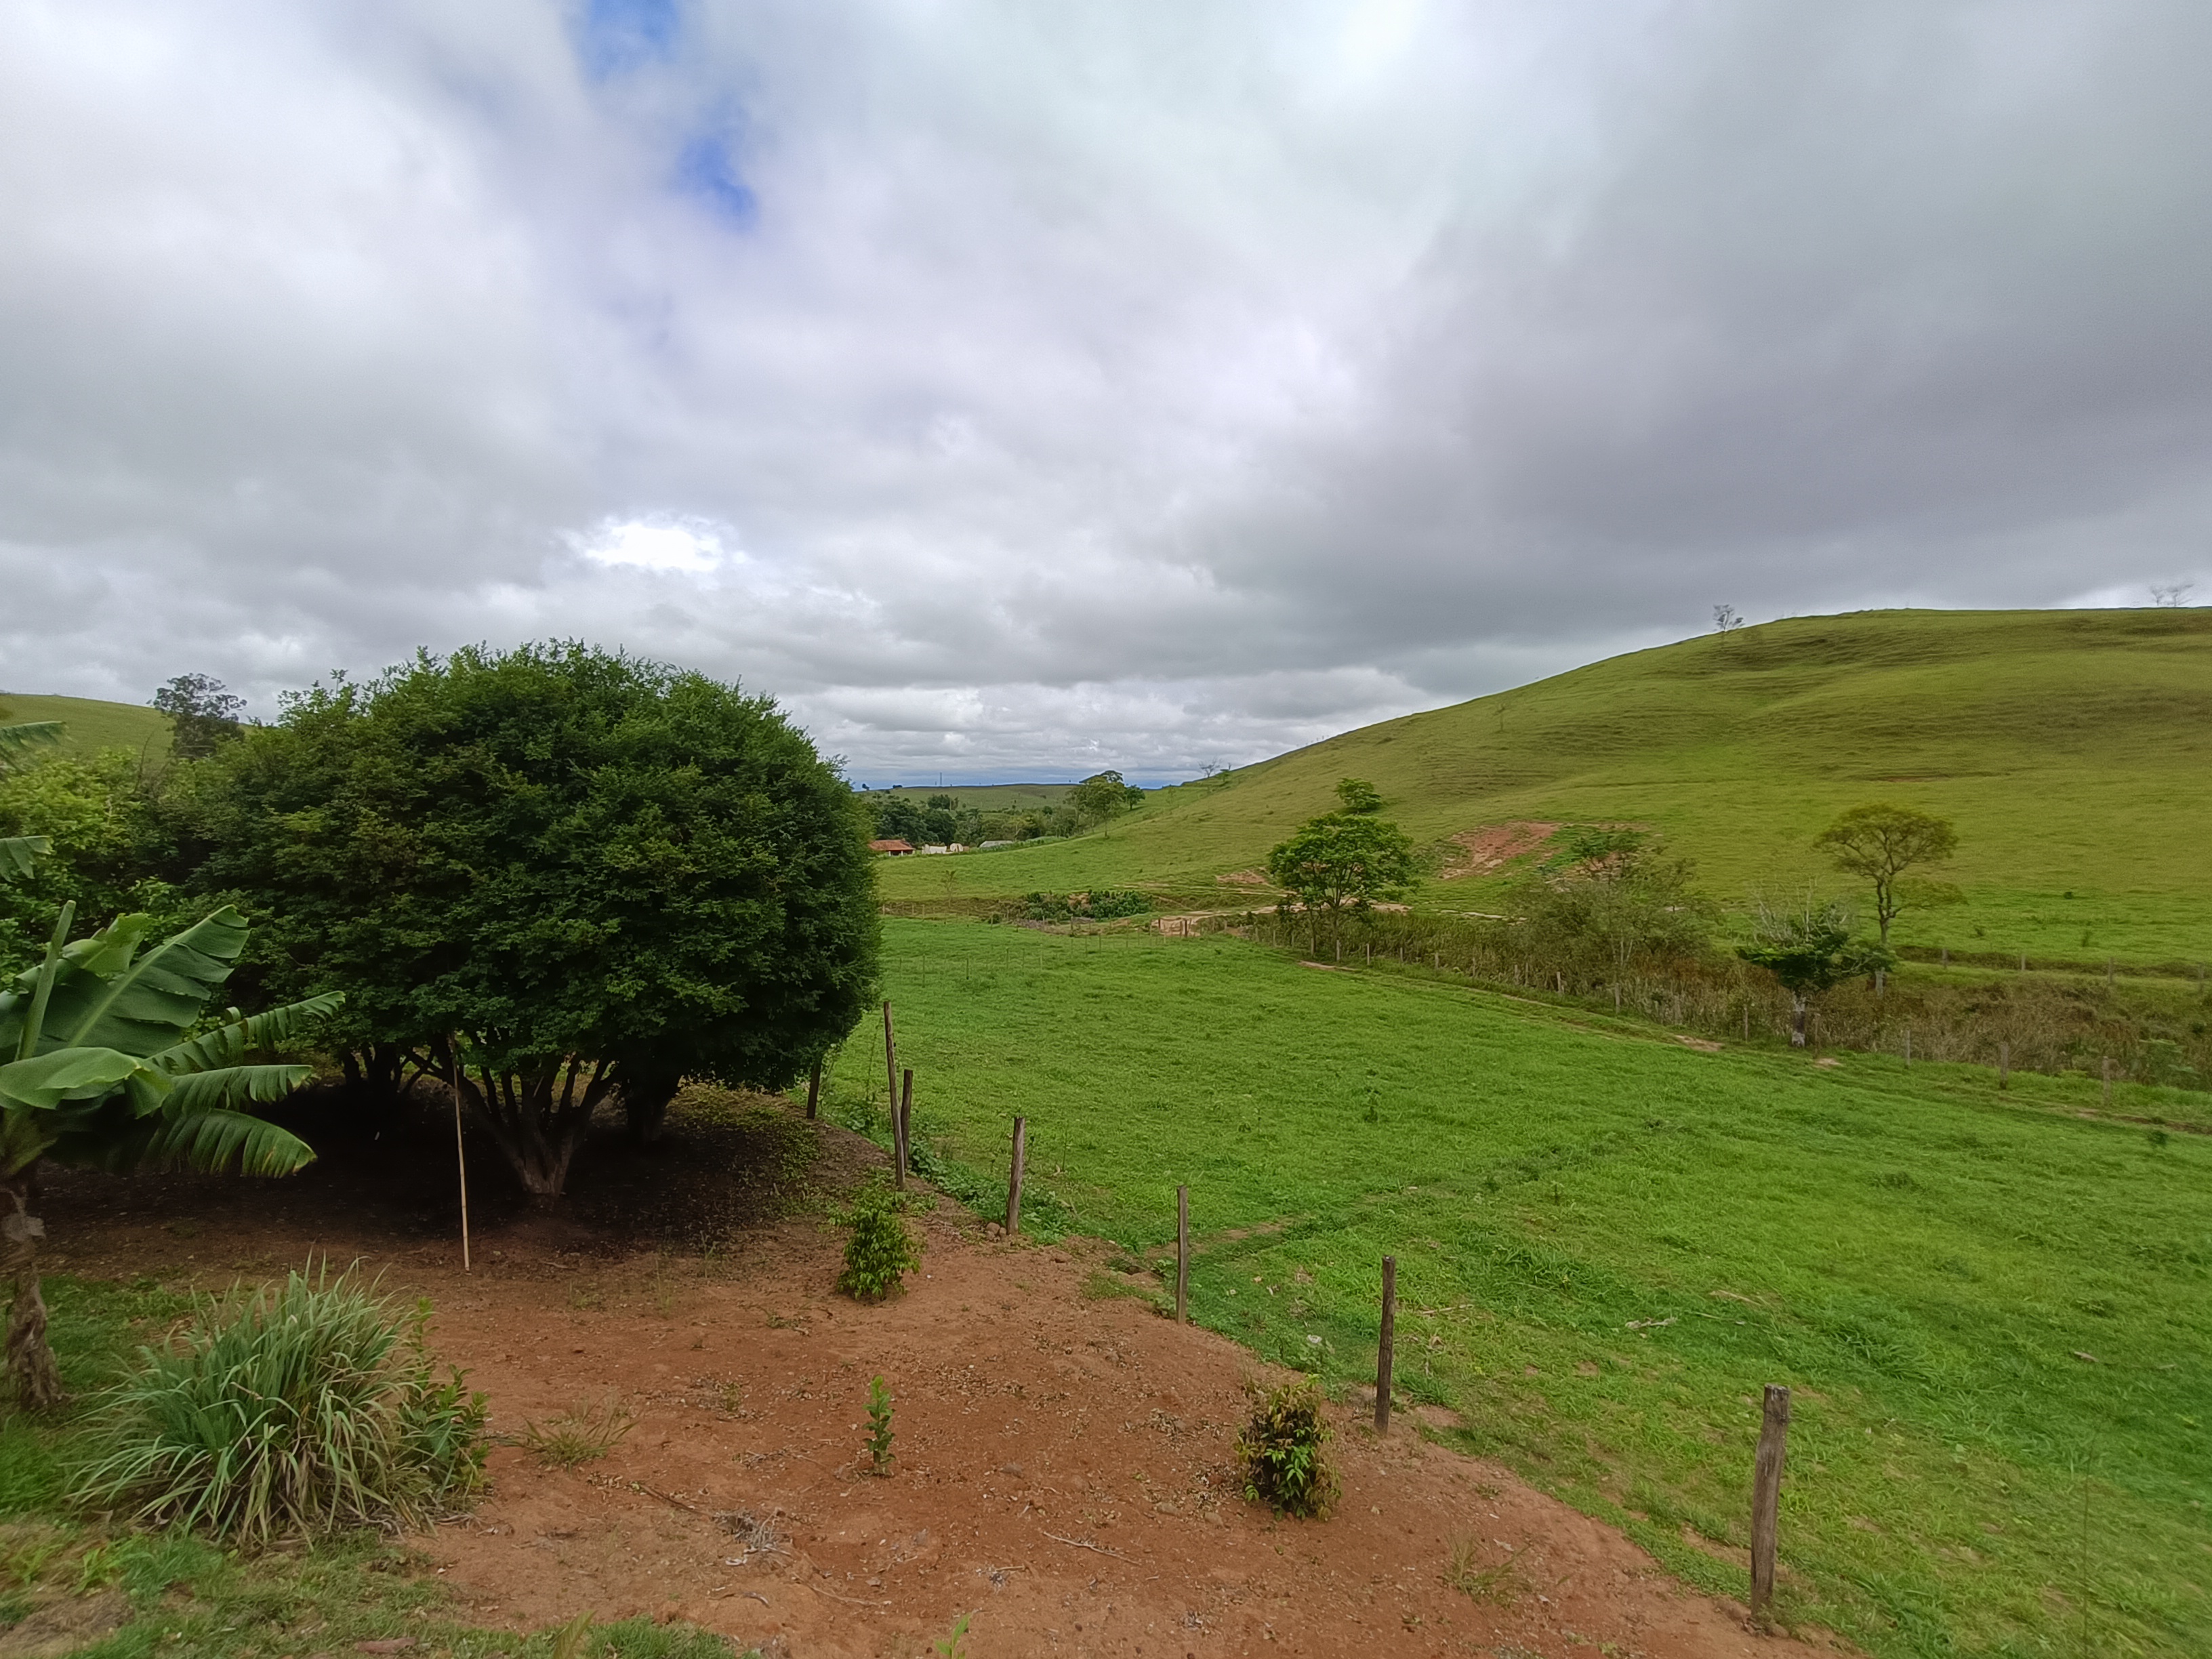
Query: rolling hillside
[(2073, 748), (89, 725)]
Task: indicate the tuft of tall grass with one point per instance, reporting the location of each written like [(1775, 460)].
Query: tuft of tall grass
[(313, 1407)]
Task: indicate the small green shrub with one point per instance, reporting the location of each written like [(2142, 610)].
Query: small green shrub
[(881, 1252), (311, 1409), (581, 1436), (1279, 1453), (879, 1426)]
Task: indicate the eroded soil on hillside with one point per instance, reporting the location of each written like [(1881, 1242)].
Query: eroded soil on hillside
[(1063, 1471)]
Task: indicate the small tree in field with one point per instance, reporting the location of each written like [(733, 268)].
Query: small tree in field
[(1881, 842), (1343, 861), (1811, 951)]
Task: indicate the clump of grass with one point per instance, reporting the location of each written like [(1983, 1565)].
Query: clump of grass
[(582, 1435), (880, 1252), (880, 1434), (1467, 1574), (311, 1408), (1280, 1453)]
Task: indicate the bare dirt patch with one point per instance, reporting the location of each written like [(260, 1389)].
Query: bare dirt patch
[(1488, 846), (1063, 1468)]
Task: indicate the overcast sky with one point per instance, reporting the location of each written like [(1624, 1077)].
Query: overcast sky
[(1019, 390)]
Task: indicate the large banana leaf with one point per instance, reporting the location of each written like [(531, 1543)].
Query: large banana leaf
[(231, 1044), (107, 995), (19, 854), (232, 1086), (46, 1081), (222, 1142), (16, 742)]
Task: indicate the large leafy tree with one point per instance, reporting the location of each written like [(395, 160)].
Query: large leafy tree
[(574, 876), (1343, 861), (1881, 842), (202, 713), (104, 1061)]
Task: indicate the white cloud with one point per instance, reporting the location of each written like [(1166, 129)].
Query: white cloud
[(688, 545)]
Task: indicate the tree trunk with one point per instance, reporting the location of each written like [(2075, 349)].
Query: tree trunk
[(1797, 1011), (31, 1368), (538, 1119), (645, 1097)]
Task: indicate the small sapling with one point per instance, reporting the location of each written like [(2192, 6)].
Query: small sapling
[(879, 1427)]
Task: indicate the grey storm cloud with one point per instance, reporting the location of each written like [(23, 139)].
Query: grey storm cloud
[(1017, 389)]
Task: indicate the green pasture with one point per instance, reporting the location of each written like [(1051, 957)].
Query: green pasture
[(1994, 1310), (2073, 750), (89, 726)]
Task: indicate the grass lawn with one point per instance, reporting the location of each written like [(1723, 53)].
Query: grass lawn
[(1997, 1314), (2073, 749), (181, 1596)]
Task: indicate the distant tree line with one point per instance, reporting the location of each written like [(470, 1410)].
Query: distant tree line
[(941, 820)]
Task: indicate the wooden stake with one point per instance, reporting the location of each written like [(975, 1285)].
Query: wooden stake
[(2108, 1082), (1182, 1256), (901, 1119), (1767, 1496), (813, 1089), (1908, 1045), (461, 1157), (1385, 1351), (2004, 1066), (1014, 1178), (890, 1064)]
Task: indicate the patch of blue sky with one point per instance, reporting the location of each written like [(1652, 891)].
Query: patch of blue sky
[(706, 172), (614, 35)]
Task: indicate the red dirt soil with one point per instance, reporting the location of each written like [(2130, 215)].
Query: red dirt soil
[(1489, 845), (1063, 1468)]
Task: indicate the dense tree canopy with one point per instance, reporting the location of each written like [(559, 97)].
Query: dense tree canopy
[(572, 872)]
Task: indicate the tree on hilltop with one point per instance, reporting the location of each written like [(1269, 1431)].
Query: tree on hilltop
[(202, 713), (1881, 842)]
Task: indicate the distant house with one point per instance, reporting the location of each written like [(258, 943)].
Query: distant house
[(892, 849)]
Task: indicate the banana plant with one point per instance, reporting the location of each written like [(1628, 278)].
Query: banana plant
[(16, 742), (102, 1063)]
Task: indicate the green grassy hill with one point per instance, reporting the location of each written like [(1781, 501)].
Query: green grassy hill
[(2073, 750), (88, 725)]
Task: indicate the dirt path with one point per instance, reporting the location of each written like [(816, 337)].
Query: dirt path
[(1063, 1466)]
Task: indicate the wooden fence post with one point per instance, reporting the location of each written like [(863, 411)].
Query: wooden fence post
[(901, 1119), (2107, 1102), (1767, 1496), (1182, 1256), (891, 1063), (2004, 1066), (813, 1089), (1014, 1176), (1386, 1350)]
